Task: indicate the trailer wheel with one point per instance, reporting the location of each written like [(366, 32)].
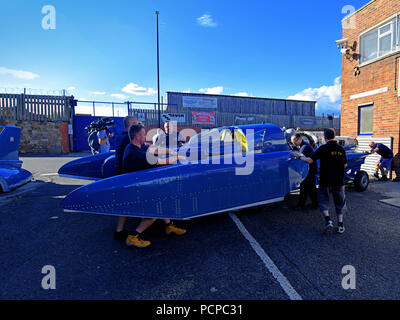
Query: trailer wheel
[(361, 181)]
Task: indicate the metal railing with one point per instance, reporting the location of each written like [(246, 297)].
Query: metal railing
[(147, 112), (35, 107)]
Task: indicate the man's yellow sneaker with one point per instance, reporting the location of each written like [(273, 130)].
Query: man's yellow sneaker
[(135, 241), (171, 228)]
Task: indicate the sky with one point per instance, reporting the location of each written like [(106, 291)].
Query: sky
[(106, 50)]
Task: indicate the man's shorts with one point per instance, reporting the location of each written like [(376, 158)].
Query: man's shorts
[(385, 162), (339, 198)]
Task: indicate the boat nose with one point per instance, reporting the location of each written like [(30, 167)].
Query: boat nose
[(69, 168), (77, 200)]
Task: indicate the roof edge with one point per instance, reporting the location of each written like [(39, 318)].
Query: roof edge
[(357, 11), (233, 96)]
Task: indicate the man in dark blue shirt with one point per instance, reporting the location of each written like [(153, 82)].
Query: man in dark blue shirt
[(308, 186), (384, 162), (135, 159)]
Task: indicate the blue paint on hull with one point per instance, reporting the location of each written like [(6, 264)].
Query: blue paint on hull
[(90, 167), (185, 191), (12, 177)]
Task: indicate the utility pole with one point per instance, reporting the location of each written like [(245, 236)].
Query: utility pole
[(158, 75)]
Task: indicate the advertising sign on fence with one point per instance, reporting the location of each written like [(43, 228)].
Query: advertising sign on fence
[(308, 121), (238, 118), (141, 116), (177, 117), (203, 118), (199, 102)]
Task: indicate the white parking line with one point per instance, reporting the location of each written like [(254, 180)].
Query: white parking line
[(283, 281)]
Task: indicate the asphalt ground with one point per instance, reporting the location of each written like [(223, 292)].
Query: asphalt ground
[(275, 248)]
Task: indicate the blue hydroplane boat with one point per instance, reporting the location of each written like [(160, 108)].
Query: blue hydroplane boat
[(242, 167)]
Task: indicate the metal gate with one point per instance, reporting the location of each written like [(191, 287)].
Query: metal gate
[(145, 112), (27, 107)]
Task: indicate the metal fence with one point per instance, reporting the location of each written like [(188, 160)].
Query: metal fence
[(149, 115), (118, 109), (59, 108), (150, 118), (35, 107)]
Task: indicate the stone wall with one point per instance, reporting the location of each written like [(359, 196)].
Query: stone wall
[(41, 137)]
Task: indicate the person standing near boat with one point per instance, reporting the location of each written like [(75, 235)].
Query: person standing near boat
[(333, 162), (308, 186), (135, 159)]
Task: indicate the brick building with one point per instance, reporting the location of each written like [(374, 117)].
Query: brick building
[(370, 73)]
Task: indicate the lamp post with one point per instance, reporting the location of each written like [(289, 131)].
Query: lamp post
[(158, 75)]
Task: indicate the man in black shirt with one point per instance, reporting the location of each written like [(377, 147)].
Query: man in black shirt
[(135, 159), (333, 162), (122, 141), (307, 187)]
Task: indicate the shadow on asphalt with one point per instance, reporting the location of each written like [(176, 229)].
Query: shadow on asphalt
[(55, 155), (213, 261)]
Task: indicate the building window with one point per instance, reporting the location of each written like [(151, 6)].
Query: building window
[(380, 41), (365, 120)]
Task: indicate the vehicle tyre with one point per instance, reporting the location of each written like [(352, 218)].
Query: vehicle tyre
[(361, 181)]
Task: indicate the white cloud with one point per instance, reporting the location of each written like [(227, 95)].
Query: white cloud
[(26, 75), (215, 90), (119, 96), (98, 92), (135, 89), (186, 91), (206, 20), (241, 94), (71, 88), (327, 97)]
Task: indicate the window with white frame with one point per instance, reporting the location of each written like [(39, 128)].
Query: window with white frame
[(365, 120), (380, 41)]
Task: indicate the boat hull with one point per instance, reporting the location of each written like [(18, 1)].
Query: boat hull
[(185, 191)]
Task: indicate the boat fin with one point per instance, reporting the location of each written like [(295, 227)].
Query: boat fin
[(9, 142)]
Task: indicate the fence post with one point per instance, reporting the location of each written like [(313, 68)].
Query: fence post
[(94, 109), (23, 106), (71, 111), (19, 107)]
